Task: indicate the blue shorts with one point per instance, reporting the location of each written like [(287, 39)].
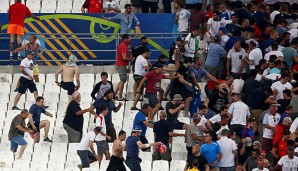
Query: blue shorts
[(15, 141), (152, 97)]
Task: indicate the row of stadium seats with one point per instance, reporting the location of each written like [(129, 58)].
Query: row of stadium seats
[(52, 6)]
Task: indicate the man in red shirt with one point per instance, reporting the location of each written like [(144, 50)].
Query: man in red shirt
[(153, 79), (93, 6), (17, 14), (122, 61), (280, 149)]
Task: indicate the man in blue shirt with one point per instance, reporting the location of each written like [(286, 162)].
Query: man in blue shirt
[(215, 58), (133, 144), (140, 120), (35, 123), (126, 19), (212, 152), (107, 100)]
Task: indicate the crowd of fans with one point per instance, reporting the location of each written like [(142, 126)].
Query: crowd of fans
[(247, 55)]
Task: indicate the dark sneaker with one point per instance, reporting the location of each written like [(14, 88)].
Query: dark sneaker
[(161, 108), (16, 90), (134, 108), (47, 140), (19, 58), (45, 107), (11, 58), (152, 122), (15, 108)]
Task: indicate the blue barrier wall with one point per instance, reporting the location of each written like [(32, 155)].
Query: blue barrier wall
[(88, 36)]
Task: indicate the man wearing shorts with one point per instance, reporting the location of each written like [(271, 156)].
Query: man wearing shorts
[(26, 80), (142, 66), (35, 123), (17, 131), (70, 70), (17, 14), (153, 79), (83, 151), (173, 109), (122, 61), (101, 138)]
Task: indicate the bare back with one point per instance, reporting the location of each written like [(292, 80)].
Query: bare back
[(117, 149), (68, 73)]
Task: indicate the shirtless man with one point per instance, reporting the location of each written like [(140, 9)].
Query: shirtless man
[(70, 70), (116, 162)]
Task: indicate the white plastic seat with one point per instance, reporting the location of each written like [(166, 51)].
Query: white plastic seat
[(179, 151), (51, 87), (63, 10), (48, 5), (38, 165), (72, 164), (42, 77), (87, 78), (50, 78), (42, 147), (160, 165), (6, 156), (16, 77), (8, 76), (104, 165), (55, 165), (47, 10), (4, 6), (146, 165), (73, 156), (27, 155), (51, 96), (4, 103), (73, 147), (177, 165), (5, 87), (5, 147), (77, 10), (63, 96), (145, 156), (59, 129), (71, 169), (60, 138), (40, 156), (85, 95), (19, 165), (33, 5), (53, 105), (58, 157), (59, 147), (64, 5)]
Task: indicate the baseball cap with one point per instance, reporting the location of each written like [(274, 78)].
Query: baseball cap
[(177, 97), (248, 142), (136, 129), (223, 29), (256, 143)]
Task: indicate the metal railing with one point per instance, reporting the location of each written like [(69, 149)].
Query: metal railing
[(69, 41)]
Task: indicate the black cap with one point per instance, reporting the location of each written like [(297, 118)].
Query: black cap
[(179, 39)]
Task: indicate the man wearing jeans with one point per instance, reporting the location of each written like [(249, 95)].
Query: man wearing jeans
[(133, 144), (17, 131), (83, 151)]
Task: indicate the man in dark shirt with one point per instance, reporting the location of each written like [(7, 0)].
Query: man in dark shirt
[(74, 120), (35, 123), (138, 50), (17, 131), (173, 109), (101, 87), (251, 83), (133, 144), (203, 163), (217, 100), (107, 100), (163, 132)]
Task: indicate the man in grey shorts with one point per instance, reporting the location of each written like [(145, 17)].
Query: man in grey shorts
[(123, 64)]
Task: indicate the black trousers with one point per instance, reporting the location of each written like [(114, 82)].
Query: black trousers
[(116, 164), (167, 6), (152, 5)]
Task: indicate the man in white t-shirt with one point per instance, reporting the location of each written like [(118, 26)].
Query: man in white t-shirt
[(142, 66), (254, 56), (217, 117), (239, 112), (274, 51), (235, 59), (83, 151), (229, 151), (270, 120), (288, 162), (213, 24), (100, 139), (279, 86), (26, 80), (182, 18), (111, 6)]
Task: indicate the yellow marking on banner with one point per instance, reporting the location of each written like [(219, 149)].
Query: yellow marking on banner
[(48, 43), (55, 39), (53, 57), (66, 39), (75, 37)]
